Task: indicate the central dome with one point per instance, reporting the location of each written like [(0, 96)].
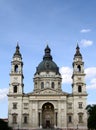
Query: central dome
[(47, 65)]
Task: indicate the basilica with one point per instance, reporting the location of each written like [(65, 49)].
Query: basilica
[(47, 106)]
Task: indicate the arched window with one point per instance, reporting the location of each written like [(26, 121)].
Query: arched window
[(42, 85), (58, 84), (80, 118), (14, 105), (52, 85), (15, 89), (80, 105), (70, 119), (79, 89), (16, 68), (35, 84), (79, 68), (14, 118), (25, 119)]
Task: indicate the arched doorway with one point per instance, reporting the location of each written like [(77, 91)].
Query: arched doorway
[(48, 115)]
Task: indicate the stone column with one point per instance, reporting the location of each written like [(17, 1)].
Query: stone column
[(55, 119), (40, 119)]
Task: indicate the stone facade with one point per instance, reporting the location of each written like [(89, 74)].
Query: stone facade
[(47, 106)]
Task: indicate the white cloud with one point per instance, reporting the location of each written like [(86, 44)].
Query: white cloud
[(3, 93), (91, 77), (90, 72), (86, 43), (85, 30), (92, 84), (66, 73), (93, 81)]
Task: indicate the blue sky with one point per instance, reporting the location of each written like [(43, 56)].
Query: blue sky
[(36, 23)]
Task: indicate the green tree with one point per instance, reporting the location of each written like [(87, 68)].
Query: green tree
[(4, 125), (91, 109)]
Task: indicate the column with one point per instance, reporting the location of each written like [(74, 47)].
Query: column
[(55, 119), (40, 119)]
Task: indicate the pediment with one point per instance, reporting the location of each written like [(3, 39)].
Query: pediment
[(48, 91)]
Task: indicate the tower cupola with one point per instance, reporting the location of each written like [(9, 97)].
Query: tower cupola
[(17, 52), (78, 54)]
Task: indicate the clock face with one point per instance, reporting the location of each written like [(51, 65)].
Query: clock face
[(15, 78), (77, 59), (79, 78)]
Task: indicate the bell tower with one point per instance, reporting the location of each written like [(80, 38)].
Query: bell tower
[(79, 91), (16, 74), (78, 77)]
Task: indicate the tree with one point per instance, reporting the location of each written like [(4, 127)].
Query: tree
[(91, 109), (4, 125)]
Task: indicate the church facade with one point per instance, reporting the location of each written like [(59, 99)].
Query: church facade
[(47, 106)]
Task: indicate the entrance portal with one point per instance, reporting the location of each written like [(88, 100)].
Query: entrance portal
[(48, 123), (47, 115)]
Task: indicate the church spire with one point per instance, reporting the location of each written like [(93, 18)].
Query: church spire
[(17, 52)]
